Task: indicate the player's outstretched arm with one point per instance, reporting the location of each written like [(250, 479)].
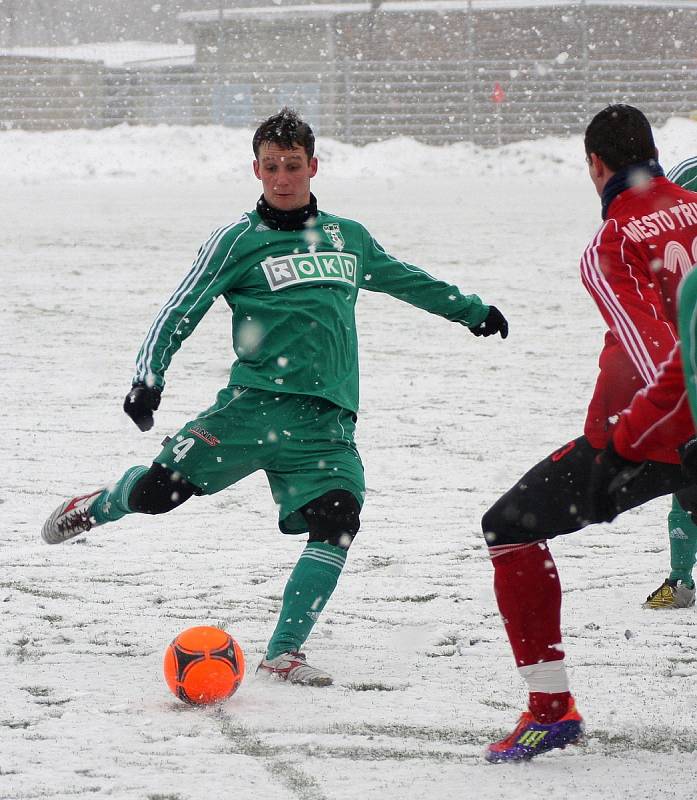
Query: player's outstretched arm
[(413, 285), (211, 274)]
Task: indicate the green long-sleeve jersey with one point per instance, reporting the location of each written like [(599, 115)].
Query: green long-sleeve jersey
[(685, 174), (293, 296)]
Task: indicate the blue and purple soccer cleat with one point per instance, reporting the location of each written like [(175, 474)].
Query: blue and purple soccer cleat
[(530, 737)]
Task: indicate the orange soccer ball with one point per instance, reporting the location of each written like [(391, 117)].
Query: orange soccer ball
[(203, 665)]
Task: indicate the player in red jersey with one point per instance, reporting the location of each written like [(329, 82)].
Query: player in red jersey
[(632, 268)]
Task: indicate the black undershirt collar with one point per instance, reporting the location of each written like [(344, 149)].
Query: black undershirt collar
[(627, 178), (294, 220)]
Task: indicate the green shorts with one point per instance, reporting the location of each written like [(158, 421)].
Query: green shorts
[(304, 445)]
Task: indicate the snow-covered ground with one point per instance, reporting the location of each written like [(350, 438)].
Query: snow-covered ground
[(97, 227)]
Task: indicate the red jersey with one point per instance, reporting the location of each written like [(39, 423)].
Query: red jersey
[(632, 269)]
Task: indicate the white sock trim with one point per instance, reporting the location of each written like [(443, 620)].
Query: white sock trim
[(547, 676)]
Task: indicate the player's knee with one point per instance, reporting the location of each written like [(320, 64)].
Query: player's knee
[(159, 491), (685, 500), (334, 518), (501, 524), (490, 527)]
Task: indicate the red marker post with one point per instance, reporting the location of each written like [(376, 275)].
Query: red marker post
[(497, 97)]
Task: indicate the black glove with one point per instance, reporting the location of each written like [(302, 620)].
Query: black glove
[(688, 458), (139, 404), (610, 475), (494, 322)]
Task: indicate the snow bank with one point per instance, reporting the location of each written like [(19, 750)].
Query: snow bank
[(211, 152)]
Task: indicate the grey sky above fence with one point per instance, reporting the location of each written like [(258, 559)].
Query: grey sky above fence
[(60, 22), (63, 22)]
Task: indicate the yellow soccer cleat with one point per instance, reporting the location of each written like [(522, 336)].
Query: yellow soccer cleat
[(671, 594)]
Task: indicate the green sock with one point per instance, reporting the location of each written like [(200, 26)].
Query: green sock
[(112, 503), (309, 587), (683, 544)]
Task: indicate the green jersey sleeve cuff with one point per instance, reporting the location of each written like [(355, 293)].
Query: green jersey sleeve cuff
[(475, 315)]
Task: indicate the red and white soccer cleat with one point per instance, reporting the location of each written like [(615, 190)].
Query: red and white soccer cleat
[(70, 519), (293, 667), (530, 737)]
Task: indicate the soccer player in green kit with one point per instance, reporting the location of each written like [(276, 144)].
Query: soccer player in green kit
[(290, 273)]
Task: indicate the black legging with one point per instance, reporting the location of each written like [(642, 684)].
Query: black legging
[(552, 498)]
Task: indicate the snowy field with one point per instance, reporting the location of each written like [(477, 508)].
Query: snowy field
[(97, 228)]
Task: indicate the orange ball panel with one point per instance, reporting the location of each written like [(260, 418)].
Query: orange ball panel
[(204, 638), (209, 681)]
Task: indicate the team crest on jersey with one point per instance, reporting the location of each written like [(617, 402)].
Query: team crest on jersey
[(301, 268), (333, 231)]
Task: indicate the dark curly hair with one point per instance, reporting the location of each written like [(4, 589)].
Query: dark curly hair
[(287, 130)]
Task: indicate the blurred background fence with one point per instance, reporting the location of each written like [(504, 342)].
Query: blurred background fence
[(361, 75)]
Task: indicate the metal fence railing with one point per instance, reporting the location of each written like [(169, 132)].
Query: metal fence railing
[(434, 101)]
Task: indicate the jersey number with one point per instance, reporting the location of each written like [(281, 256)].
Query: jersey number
[(675, 257), (182, 448)]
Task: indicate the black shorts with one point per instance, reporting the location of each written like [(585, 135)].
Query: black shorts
[(552, 498)]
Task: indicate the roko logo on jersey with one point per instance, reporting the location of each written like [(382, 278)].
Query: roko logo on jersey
[(290, 270)]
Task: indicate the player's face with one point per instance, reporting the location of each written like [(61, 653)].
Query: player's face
[(285, 175)]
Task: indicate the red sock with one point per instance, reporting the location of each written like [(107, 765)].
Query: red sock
[(528, 593), (548, 708)]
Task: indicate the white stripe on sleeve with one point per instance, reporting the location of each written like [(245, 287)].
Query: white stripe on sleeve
[(626, 329)]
